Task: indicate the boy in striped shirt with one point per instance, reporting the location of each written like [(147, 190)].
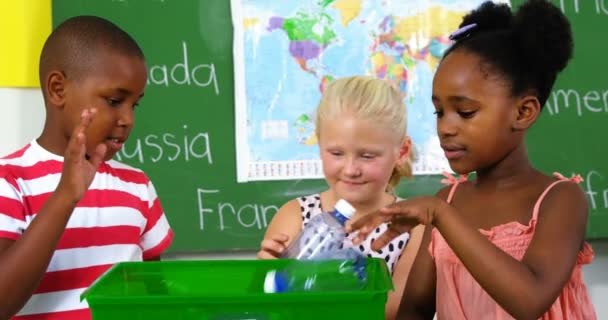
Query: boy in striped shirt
[(67, 210)]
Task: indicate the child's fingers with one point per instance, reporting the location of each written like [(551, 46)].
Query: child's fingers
[(86, 117), (394, 210), (273, 247), (353, 225), (280, 237), (400, 215), (408, 216), (363, 233), (364, 225), (397, 215), (371, 220), (393, 231), (264, 255), (98, 155), (360, 237), (76, 146)]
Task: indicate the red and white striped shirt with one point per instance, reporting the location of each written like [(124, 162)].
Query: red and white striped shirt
[(118, 219)]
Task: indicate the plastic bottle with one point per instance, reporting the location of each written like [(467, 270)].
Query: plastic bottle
[(345, 274), (323, 234), (323, 264)]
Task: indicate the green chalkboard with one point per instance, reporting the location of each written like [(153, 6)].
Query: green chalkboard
[(570, 136), (184, 137)]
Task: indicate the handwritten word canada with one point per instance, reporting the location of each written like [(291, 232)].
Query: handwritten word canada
[(184, 73)]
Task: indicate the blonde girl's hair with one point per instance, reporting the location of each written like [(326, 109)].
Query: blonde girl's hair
[(371, 99)]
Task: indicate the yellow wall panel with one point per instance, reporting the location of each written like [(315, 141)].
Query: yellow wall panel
[(24, 25)]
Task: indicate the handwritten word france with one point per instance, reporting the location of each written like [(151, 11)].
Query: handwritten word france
[(223, 214)]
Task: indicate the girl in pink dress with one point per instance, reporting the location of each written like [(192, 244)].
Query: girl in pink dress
[(508, 244)]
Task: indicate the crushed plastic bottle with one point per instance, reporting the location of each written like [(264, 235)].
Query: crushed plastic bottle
[(323, 234), (323, 263)]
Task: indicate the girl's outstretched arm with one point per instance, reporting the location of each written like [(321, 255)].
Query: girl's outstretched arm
[(525, 289), (284, 226)]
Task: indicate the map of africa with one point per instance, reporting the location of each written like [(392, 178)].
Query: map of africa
[(287, 51)]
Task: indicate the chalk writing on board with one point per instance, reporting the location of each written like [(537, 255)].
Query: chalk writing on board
[(183, 146), (562, 100), (183, 73), (248, 215), (596, 199), (574, 6)]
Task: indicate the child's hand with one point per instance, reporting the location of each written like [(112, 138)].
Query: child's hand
[(78, 167), (273, 247), (401, 216)]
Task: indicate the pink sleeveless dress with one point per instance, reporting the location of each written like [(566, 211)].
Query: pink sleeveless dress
[(459, 296)]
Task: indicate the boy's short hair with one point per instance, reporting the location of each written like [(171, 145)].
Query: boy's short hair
[(72, 46)]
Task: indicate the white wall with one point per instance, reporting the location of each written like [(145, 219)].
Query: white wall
[(22, 118), (596, 278)]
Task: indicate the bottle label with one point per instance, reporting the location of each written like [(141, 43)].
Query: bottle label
[(339, 216)]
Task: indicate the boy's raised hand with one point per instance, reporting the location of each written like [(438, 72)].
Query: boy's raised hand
[(78, 167), (401, 217)]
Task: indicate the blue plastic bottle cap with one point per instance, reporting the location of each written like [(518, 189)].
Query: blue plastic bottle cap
[(270, 284), (345, 208)]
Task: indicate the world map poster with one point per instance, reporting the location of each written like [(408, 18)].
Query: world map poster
[(287, 51)]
